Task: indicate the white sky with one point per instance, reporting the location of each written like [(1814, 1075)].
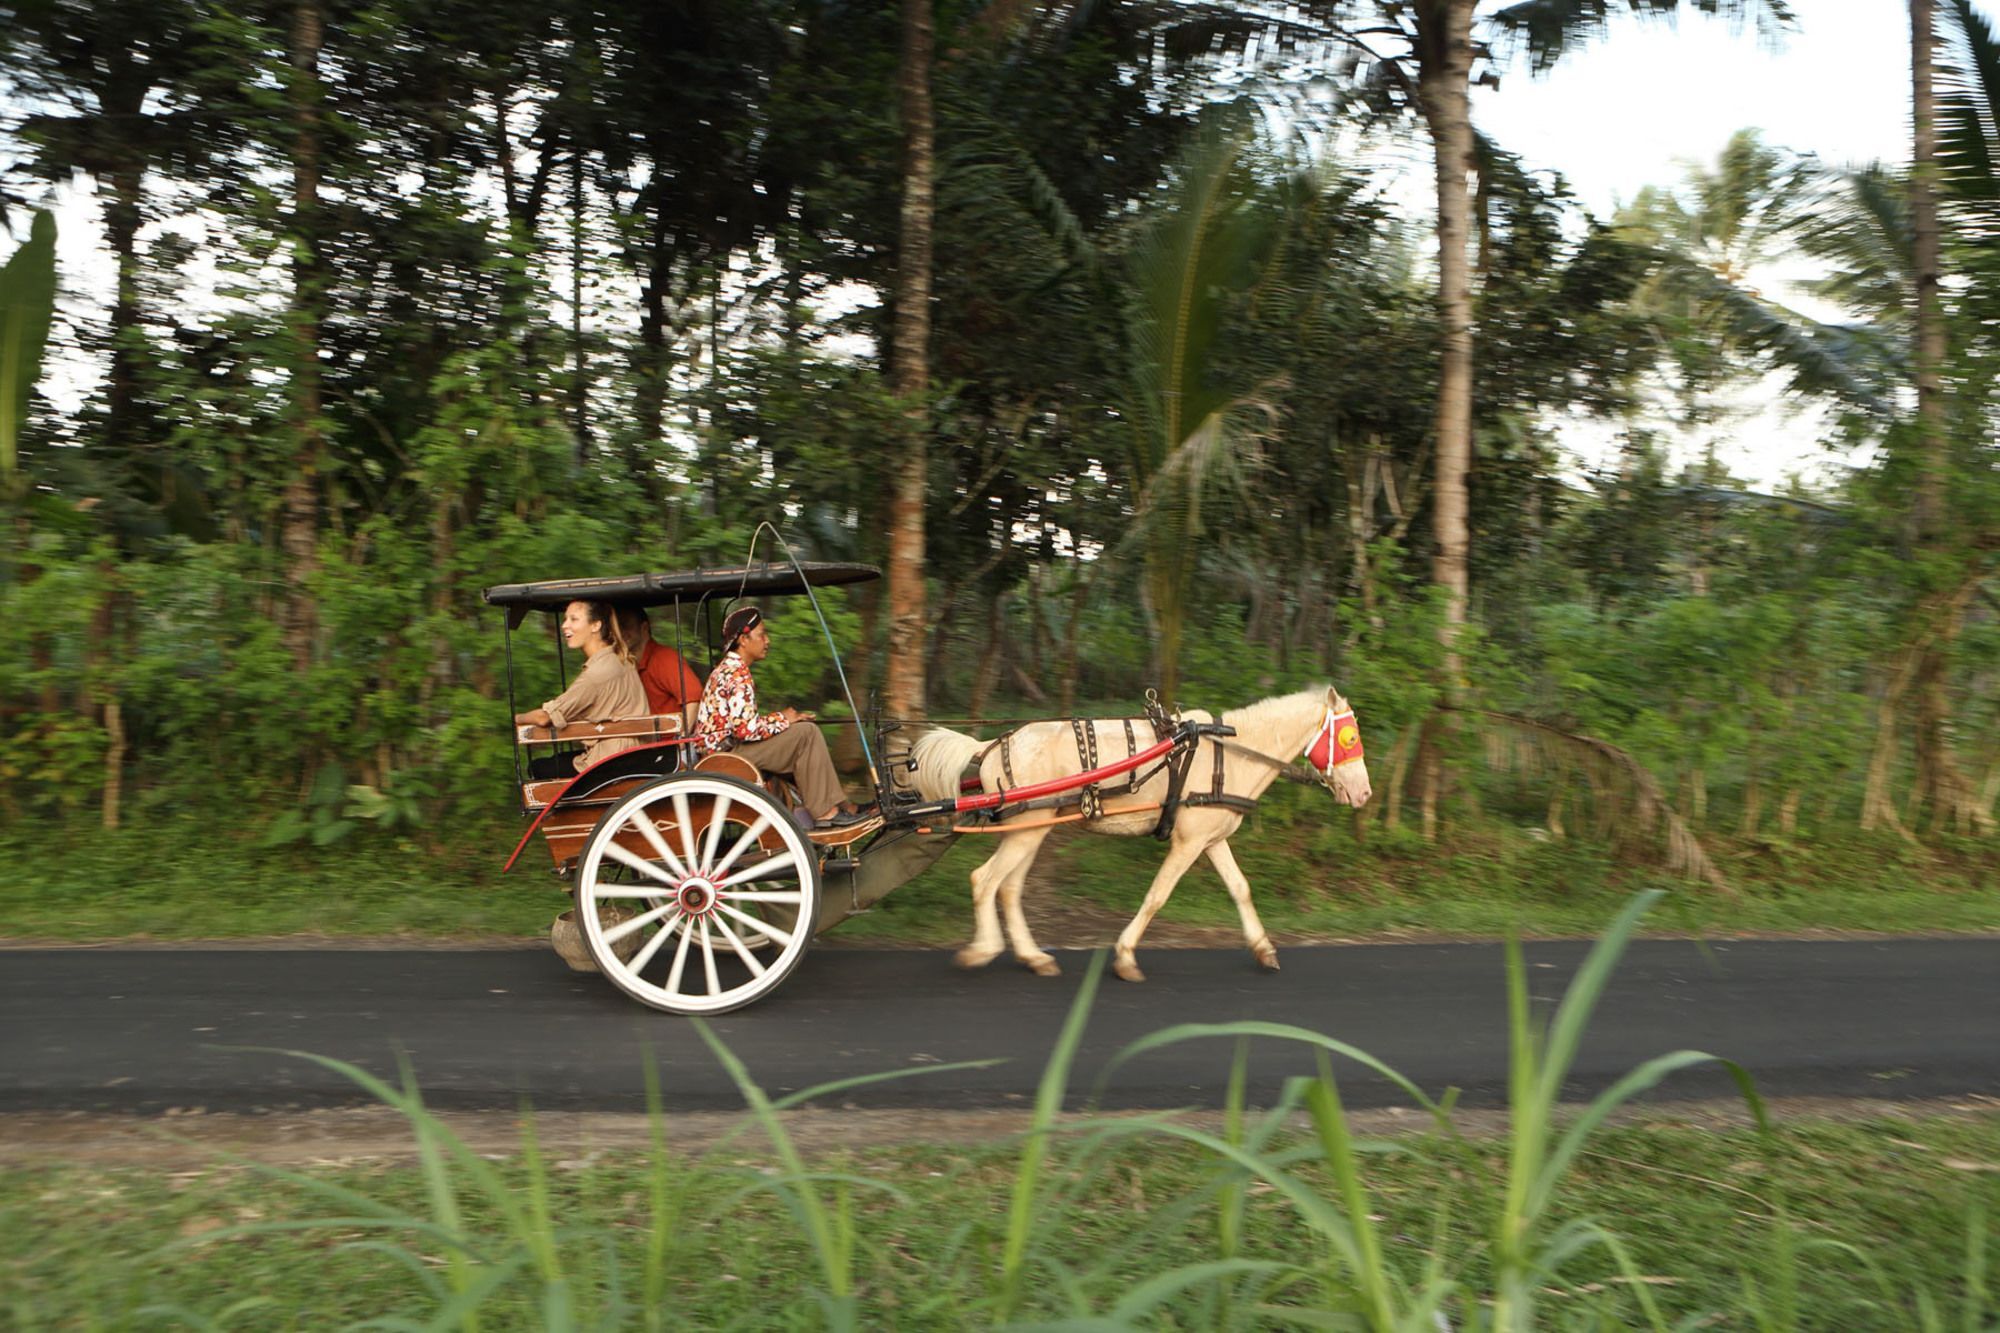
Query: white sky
[(1625, 112)]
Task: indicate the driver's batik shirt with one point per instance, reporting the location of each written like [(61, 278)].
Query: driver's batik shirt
[(728, 713)]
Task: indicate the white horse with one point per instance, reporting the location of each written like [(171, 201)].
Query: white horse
[(1316, 724)]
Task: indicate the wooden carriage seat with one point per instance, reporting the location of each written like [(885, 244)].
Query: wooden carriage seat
[(646, 730)]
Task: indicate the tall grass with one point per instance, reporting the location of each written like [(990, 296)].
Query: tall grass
[(1497, 1244)]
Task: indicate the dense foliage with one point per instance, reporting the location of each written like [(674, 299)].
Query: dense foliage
[(413, 298)]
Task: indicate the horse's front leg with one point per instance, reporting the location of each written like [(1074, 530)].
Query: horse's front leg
[(1015, 850), (1031, 954), (1180, 855), (985, 946), (1239, 888)]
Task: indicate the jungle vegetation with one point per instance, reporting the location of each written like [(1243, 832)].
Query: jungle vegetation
[(1092, 324)]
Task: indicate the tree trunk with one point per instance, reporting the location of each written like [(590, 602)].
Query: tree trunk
[(299, 523), (579, 382), (652, 354), (904, 681), (121, 385), (1938, 780), (1877, 809), (1444, 42), (1072, 652), (1927, 515), (988, 674)]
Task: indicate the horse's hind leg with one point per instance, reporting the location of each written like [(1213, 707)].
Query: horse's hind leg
[(1013, 852), (1180, 855), (1239, 888), (1025, 948)]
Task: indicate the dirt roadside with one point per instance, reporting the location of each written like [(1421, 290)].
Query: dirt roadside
[(573, 1140)]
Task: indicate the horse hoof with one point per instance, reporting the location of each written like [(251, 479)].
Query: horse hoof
[(1268, 958), (1042, 965), (1128, 969), (969, 959)]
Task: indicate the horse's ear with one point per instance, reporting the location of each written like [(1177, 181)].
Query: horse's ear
[(1334, 700)]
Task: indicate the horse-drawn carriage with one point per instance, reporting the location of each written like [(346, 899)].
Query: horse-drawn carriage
[(696, 891)]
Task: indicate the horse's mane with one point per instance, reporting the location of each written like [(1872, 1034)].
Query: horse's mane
[(1258, 725)]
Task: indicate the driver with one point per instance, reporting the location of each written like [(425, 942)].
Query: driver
[(783, 742)]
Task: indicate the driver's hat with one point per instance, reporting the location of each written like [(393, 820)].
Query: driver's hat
[(738, 623)]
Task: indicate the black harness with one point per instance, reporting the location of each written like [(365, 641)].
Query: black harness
[(1178, 764)]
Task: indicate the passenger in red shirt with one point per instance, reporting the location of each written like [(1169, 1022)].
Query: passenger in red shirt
[(671, 684)]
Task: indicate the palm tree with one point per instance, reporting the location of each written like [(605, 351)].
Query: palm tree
[(1188, 416), (1701, 296), (1928, 511), (1437, 36)]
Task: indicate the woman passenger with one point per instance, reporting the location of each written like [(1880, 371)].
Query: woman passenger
[(608, 687)]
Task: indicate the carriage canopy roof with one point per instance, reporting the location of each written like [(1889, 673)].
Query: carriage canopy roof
[(765, 579)]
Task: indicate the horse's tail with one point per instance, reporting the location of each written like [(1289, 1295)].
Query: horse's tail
[(939, 757)]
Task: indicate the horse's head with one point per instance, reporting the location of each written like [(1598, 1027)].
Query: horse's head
[(1335, 753)]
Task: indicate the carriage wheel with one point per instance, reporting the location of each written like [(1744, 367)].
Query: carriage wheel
[(725, 886)]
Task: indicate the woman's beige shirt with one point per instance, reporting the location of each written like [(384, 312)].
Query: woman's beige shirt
[(607, 687)]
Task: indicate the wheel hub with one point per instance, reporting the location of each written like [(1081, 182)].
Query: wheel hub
[(696, 895)]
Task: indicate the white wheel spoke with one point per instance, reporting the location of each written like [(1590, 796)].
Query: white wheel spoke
[(743, 844), (638, 863), (780, 864), (708, 958), (642, 821), (686, 827), (613, 934), (645, 892), (765, 896), (718, 816), (750, 959), (765, 927), (652, 946), (680, 959)]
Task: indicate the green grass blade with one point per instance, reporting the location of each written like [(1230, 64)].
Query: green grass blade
[(789, 1100), (1580, 1000), (1976, 1297), (1156, 1291), (463, 1311), (1639, 1080), (819, 1226), (661, 1212), (1181, 1032), (1337, 1151), (1048, 1103)]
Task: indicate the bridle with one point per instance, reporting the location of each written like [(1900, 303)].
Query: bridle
[(1335, 744)]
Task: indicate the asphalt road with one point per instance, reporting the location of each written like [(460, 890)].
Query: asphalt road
[(148, 1030)]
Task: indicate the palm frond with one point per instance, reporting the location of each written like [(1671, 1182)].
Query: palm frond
[(1540, 745), (1856, 363), (1184, 270), (1968, 116), (1548, 30), (1857, 223)]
